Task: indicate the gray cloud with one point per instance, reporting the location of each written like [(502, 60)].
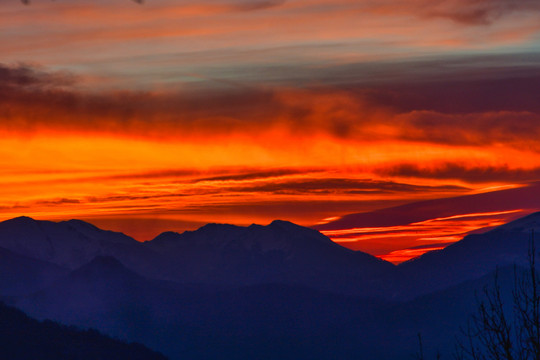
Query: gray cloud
[(479, 12), (24, 75)]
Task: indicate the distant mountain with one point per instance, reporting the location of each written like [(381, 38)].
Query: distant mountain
[(281, 252), (470, 258), (101, 294), (221, 255), (263, 321), (21, 275), (24, 338), (193, 322), (215, 254), (107, 296), (72, 243)]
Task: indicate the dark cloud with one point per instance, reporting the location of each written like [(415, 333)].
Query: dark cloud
[(448, 108), (465, 12), (24, 75), (62, 201), (518, 128), (525, 198), (258, 175), (338, 185), (122, 198), (478, 174), (478, 12), (27, 2), (253, 5), (30, 100)]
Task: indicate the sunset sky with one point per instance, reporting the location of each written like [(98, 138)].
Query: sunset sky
[(167, 115)]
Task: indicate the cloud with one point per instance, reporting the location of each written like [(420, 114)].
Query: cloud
[(467, 173), (465, 12), (524, 198), (258, 175), (33, 100), (251, 5), (479, 12), (24, 76), (512, 128), (338, 185), (27, 2)]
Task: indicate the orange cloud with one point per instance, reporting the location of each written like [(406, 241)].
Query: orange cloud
[(251, 155)]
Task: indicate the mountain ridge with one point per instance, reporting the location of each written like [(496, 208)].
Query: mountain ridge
[(214, 254)]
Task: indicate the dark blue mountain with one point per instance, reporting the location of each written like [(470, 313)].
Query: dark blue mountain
[(471, 258), (277, 291), (391, 331), (70, 244), (264, 321), (281, 252), (215, 254), (20, 275)]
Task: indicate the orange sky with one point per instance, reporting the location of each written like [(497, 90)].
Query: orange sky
[(167, 115)]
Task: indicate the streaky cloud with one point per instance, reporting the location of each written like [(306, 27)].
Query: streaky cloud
[(470, 174), (255, 5)]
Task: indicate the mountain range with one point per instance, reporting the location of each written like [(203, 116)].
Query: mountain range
[(275, 291)]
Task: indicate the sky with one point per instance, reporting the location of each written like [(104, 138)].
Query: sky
[(166, 115)]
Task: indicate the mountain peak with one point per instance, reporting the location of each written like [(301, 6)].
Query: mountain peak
[(66, 243), (22, 220), (524, 224), (284, 223), (80, 224)]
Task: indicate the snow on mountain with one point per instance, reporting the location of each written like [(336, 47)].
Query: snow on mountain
[(73, 243), (216, 254), (525, 224), (280, 252)]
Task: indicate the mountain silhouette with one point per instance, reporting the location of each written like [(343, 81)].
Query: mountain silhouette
[(216, 254), (280, 252), (24, 338), (72, 243), (472, 257), (266, 292)]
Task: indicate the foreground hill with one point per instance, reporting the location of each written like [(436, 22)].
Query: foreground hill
[(24, 338)]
